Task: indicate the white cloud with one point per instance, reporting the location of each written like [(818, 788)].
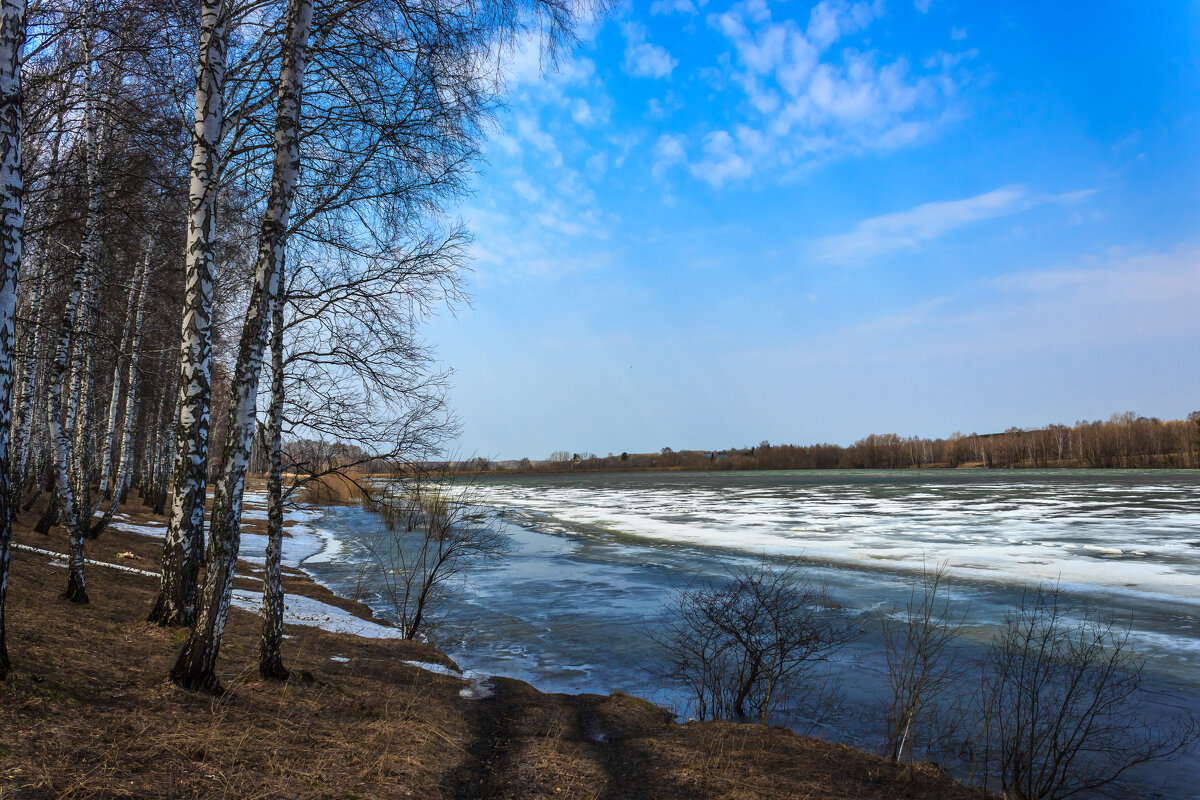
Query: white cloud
[(722, 160), (525, 188), (907, 230), (668, 150), (583, 113), (642, 59), (816, 95), (528, 130), (923, 5), (597, 164), (833, 19), (958, 34), (676, 6)]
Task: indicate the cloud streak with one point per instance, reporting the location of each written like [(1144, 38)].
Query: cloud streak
[(912, 229)]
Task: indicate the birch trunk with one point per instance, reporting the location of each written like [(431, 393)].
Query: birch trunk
[(71, 472), (196, 667), (125, 457), (64, 505), (127, 423), (177, 598), (114, 400), (12, 222), (23, 423), (270, 655)]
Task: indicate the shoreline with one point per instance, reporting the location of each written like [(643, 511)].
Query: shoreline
[(89, 707)]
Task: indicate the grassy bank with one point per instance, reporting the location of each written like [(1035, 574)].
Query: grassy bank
[(89, 714)]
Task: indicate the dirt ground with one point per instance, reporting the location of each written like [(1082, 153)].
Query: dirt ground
[(89, 713)]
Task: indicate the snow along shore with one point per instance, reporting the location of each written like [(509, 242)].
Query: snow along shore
[(303, 543)]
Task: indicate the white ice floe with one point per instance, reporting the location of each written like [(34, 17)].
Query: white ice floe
[(1070, 530), (302, 543)]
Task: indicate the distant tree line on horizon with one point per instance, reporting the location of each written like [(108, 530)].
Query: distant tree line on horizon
[(1124, 441)]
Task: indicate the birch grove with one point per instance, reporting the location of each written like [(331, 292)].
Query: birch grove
[(175, 159)]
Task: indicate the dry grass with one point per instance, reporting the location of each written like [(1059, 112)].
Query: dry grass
[(89, 714), (333, 490)]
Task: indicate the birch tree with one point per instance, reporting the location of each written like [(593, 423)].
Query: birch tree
[(225, 150), (12, 41), (184, 542), (72, 458), (196, 666), (270, 653)]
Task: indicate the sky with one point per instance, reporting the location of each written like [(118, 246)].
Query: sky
[(716, 223)]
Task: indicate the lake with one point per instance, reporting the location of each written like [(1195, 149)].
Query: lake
[(594, 556)]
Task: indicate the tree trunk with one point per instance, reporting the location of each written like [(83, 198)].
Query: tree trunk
[(12, 222), (270, 657), (127, 423), (184, 544), (71, 472), (114, 400), (196, 667), (23, 423)]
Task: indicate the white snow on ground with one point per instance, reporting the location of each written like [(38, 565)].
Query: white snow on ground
[(60, 560), (439, 669), (478, 686), (121, 522), (306, 611), (302, 543)]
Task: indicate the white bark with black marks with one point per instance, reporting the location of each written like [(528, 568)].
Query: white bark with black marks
[(270, 654), (196, 667), (12, 223), (184, 544), (139, 292)]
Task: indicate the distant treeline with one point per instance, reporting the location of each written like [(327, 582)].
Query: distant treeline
[(1123, 441)]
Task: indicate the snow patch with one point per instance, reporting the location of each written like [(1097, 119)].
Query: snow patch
[(437, 669), (62, 559), (306, 611)]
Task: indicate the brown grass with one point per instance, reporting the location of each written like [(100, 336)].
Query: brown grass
[(332, 489), (89, 714)]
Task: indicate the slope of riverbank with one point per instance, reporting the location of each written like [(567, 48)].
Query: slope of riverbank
[(89, 712)]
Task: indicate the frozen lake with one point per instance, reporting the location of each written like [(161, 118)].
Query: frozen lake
[(593, 556)]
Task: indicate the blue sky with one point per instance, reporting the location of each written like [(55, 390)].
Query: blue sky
[(717, 223)]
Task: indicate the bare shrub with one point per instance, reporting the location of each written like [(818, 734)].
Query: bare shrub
[(742, 647), (436, 534), (1062, 688), (922, 662)]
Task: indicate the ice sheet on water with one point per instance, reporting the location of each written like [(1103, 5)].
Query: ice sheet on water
[(1078, 529)]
